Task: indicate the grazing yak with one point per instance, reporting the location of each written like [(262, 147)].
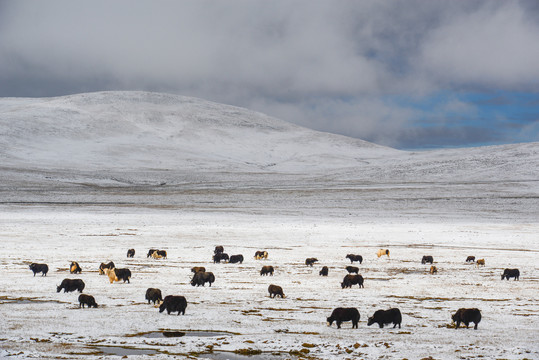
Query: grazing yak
[(155, 255), (467, 316), (201, 278), (196, 269), (310, 261), (433, 270), (382, 252), (344, 314), (352, 269), (150, 252), (480, 262), (350, 280), (42, 268), (266, 270), (118, 274), (173, 303), (382, 317), (353, 258), (261, 255), (219, 249), (236, 259), (275, 290), (427, 259), (131, 253), (153, 294), (88, 300), (70, 285), (470, 259), (74, 268), (511, 273), (220, 256), (324, 271), (104, 266)]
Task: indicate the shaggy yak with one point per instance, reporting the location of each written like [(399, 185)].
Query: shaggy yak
[(150, 252), (236, 259), (480, 262), (153, 294), (88, 300), (220, 256), (382, 317), (427, 259), (470, 259), (74, 268), (197, 269), (118, 274), (344, 314), (511, 273), (382, 252), (350, 280), (353, 258), (433, 270), (173, 303), (70, 285), (131, 253), (104, 266), (324, 271), (310, 261), (467, 316), (201, 278), (261, 255), (42, 268), (268, 269), (352, 269), (275, 290), (219, 249)]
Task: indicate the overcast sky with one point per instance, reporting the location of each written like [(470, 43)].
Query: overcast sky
[(407, 74)]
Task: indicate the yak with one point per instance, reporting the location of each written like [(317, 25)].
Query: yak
[(42, 268), (470, 259), (104, 266), (236, 259), (324, 271), (173, 303), (70, 285), (382, 252), (261, 254), (433, 270), (382, 317), (511, 273), (266, 270), (353, 258), (196, 269), (467, 316), (220, 256), (275, 290), (218, 250), (352, 269), (131, 253), (427, 259), (310, 261), (153, 294), (201, 278), (350, 280), (150, 252), (88, 300), (74, 268), (344, 314)]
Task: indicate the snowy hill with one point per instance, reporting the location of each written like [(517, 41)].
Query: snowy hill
[(150, 149)]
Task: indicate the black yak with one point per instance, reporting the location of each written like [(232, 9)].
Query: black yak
[(310, 261), (70, 285), (511, 273), (268, 269), (352, 269), (88, 300), (173, 303), (467, 316), (236, 259), (324, 271), (382, 317), (350, 280), (200, 278), (275, 290), (220, 256), (427, 259), (344, 314), (153, 294), (42, 268), (131, 253), (353, 258)]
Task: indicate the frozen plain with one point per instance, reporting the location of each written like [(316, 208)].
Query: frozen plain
[(61, 204)]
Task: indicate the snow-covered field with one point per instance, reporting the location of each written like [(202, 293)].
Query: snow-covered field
[(236, 313), (86, 177)]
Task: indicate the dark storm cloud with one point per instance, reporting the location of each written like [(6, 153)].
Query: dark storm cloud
[(322, 64)]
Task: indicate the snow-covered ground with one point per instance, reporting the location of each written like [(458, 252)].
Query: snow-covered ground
[(86, 177)]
